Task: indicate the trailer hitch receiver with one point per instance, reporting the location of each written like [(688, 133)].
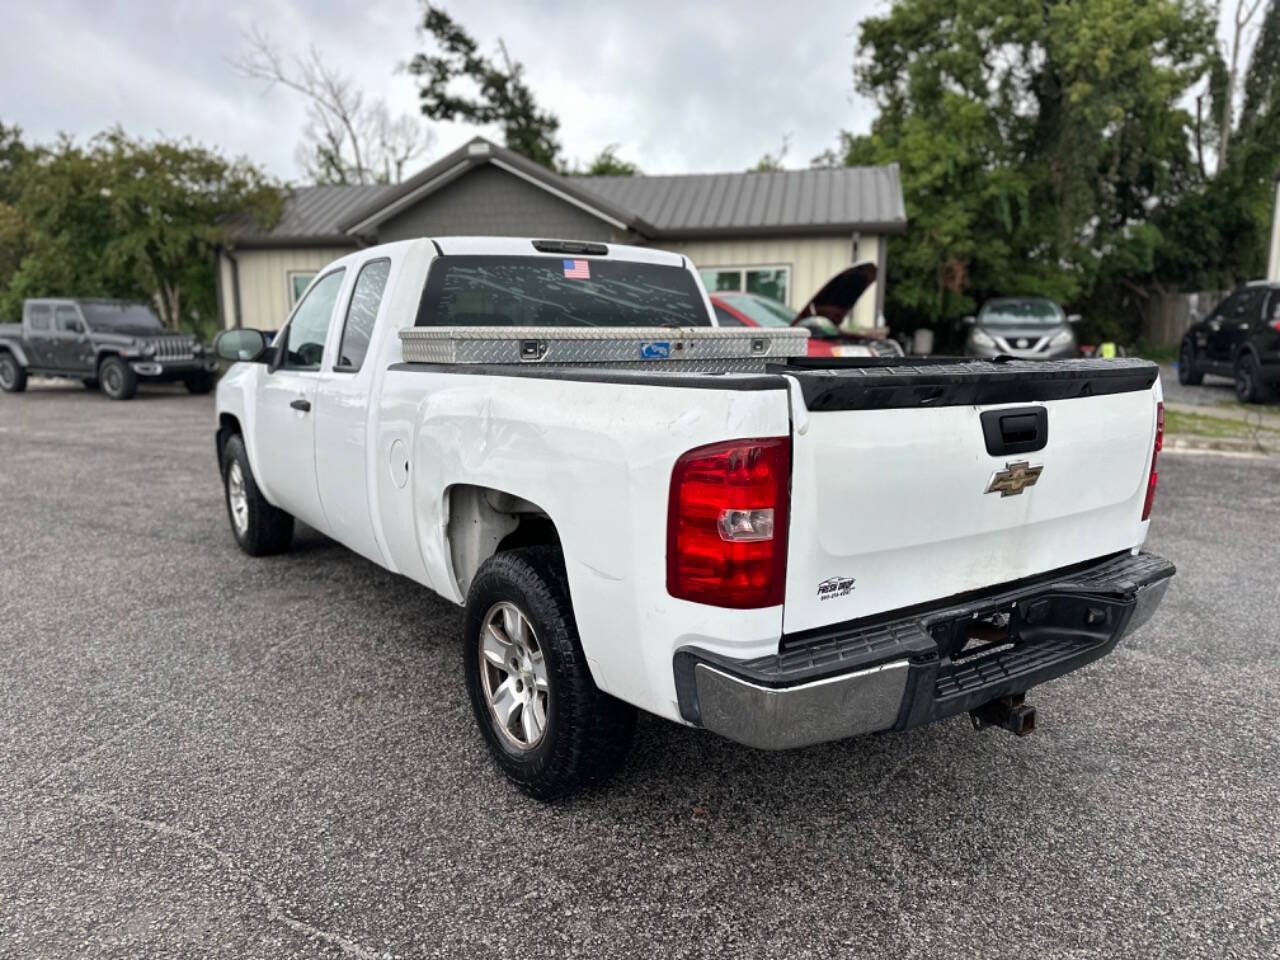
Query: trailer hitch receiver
[(1009, 713)]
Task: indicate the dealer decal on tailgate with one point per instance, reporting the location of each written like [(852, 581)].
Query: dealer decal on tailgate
[(834, 587)]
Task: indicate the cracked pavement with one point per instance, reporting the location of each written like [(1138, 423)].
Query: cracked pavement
[(204, 755)]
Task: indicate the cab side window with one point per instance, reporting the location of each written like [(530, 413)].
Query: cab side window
[(1251, 306), (304, 340), (41, 315), (68, 320), (362, 312)]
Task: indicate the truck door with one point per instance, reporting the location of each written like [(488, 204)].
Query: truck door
[(70, 345), (1229, 327), (1239, 328), (39, 339), (342, 416), (285, 438)]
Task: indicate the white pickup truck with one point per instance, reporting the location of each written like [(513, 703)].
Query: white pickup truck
[(640, 509)]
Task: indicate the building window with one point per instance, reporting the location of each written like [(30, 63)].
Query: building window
[(298, 283), (771, 282)]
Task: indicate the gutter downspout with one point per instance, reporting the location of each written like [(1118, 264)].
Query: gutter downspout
[(1273, 258), (235, 287), (882, 275), (217, 288)]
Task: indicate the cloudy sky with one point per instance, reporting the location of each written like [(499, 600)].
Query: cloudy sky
[(680, 86)]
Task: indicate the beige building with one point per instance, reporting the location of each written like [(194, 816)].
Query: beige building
[(780, 234)]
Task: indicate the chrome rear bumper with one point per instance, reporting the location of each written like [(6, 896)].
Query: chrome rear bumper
[(906, 671), (829, 709)]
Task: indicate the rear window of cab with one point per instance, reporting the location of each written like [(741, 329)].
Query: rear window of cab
[(558, 291)]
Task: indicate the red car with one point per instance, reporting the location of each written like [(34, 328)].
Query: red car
[(821, 316)]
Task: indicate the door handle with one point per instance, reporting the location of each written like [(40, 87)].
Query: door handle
[(300, 404)]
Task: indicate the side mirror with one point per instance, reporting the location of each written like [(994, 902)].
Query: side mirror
[(970, 320), (242, 346), (1074, 318)]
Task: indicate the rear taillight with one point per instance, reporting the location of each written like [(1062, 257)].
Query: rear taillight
[(1155, 455), (727, 523), (1275, 325)]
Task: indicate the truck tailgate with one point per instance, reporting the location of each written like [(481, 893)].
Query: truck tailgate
[(891, 472)]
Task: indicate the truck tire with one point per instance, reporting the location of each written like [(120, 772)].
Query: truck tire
[(549, 727), (1250, 387), (13, 376), (1187, 372), (117, 379), (259, 528), (199, 383)]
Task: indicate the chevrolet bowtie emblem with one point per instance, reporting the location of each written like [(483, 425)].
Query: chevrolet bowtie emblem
[(1014, 478)]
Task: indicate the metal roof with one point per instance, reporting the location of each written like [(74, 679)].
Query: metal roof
[(478, 152), (827, 200), (822, 200), (312, 215)]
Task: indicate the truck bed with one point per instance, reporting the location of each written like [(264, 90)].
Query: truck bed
[(754, 359)]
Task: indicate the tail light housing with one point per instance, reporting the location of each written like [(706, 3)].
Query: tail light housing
[(1152, 477), (727, 523)]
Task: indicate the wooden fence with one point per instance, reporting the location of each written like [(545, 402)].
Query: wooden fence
[(1166, 316)]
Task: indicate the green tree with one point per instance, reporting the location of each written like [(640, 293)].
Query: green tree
[(502, 97), (1037, 141), (123, 217), (1217, 234), (772, 162), (607, 163), (14, 155)]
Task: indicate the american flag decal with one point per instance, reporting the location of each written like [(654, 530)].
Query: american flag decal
[(577, 269)]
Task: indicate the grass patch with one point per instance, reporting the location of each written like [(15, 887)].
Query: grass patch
[(1165, 354), (1202, 425)]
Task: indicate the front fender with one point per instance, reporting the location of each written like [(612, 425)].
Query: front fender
[(15, 347)]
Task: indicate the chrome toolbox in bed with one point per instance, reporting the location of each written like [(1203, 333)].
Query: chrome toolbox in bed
[(724, 348)]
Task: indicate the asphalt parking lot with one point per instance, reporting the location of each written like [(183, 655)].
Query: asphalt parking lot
[(207, 755)]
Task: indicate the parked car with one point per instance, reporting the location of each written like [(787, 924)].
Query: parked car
[(1239, 339), (1032, 328), (821, 316), (640, 510), (112, 344)]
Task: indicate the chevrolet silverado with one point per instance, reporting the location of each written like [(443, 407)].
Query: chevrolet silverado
[(639, 509)]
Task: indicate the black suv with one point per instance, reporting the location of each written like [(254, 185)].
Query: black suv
[(112, 344), (1241, 340)]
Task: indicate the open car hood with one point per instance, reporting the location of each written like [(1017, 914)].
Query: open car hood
[(839, 294)]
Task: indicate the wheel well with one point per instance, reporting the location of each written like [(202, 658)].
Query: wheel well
[(228, 426), (484, 521), (1245, 351)]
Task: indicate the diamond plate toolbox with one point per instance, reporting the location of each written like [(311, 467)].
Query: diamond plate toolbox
[(632, 346)]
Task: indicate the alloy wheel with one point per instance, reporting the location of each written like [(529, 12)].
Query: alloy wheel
[(1244, 382), (237, 498), (112, 379), (513, 675)]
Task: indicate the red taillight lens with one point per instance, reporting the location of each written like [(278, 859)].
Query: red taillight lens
[(1155, 455), (727, 523)]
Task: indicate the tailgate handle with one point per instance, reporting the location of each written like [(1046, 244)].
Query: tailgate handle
[(1020, 430)]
